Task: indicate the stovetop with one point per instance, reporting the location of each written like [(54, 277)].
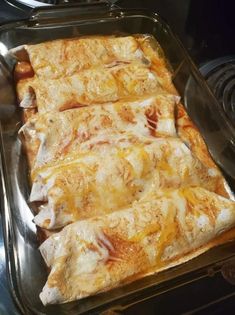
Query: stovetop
[(206, 28)]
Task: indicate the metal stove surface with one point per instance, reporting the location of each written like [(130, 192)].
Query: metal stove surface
[(10, 12), (206, 29), (220, 75)]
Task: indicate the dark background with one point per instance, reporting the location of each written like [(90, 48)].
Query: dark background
[(206, 27)]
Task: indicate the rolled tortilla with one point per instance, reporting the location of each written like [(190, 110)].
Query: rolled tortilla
[(51, 136), (99, 254), (92, 86), (108, 179)]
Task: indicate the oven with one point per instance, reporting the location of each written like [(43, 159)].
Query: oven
[(206, 29)]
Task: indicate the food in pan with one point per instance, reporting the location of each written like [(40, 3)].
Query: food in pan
[(61, 58), (191, 137), (92, 86), (52, 136), (94, 183), (94, 255), (86, 140), (116, 164), (65, 57), (128, 72)]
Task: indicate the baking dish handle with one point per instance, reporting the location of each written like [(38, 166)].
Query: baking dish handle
[(70, 11)]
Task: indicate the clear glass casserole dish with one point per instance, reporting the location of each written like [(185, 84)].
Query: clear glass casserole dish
[(27, 271)]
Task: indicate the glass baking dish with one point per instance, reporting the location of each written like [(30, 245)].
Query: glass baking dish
[(27, 271)]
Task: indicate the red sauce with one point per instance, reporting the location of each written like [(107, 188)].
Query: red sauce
[(152, 119), (23, 70)]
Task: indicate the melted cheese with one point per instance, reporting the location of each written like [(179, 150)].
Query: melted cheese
[(65, 57), (83, 187), (154, 53), (121, 164), (92, 86), (98, 256), (64, 132)]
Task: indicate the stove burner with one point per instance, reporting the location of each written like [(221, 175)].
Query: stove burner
[(228, 271), (220, 75)]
